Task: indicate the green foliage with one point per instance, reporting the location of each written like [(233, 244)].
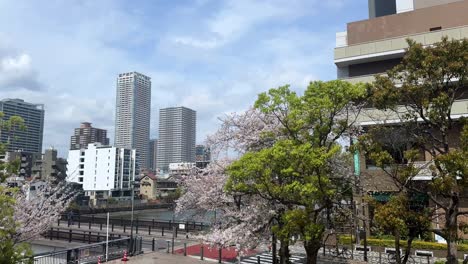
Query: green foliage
[(10, 251), (305, 171), (417, 244), (421, 92), (397, 216)]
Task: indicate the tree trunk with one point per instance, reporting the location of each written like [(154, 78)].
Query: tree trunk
[(284, 252), (407, 250), (312, 247), (451, 227), (397, 247)]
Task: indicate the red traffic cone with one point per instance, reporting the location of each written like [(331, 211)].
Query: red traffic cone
[(125, 259), (99, 260)]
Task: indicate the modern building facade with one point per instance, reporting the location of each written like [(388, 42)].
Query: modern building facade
[(133, 113), (202, 156), (104, 171), (49, 167), (375, 45), (86, 134), (177, 135), (153, 154), (29, 139)]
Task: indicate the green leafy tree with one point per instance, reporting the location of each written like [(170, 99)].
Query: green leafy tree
[(10, 251), (403, 218), (420, 94), (304, 172)]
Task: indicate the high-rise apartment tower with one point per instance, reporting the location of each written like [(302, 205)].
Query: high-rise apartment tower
[(177, 134), (132, 117), (29, 139), (87, 134), (153, 154)]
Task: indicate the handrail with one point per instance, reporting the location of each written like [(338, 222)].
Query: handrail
[(45, 254)]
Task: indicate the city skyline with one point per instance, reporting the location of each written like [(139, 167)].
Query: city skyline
[(188, 53)]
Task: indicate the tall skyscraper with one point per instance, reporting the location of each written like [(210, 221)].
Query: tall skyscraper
[(177, 134), (132, 117), (153, 153), (29, 140), (87, 134)]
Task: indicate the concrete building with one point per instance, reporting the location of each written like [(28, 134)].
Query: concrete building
[(104, 171), (177, 134), (181, 169), (26, 159), (30, 139), (376, 45), (202, 156), (86, 134), (49, 167), (153, 154), (132, 117)]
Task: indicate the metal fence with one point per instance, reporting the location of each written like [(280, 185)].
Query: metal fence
[(87, 221), (342, 254), (90, 253)]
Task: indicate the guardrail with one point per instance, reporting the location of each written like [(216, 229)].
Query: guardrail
[(88, 253), (87, 221)]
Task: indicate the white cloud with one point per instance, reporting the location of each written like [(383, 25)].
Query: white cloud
[(16, 72), (237, 17)]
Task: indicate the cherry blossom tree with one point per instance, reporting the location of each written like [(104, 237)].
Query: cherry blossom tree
[(241, 221), (36, 210)]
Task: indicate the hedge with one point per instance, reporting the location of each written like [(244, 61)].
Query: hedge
[(417, 244)]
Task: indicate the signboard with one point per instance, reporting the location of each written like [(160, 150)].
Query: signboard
[(181, 226)]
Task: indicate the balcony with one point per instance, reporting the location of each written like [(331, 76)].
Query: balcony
[(392, 47), (371, 116)]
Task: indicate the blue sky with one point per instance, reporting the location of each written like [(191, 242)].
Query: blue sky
[(213, 56)]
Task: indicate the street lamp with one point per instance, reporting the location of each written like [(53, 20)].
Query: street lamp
[(173, 226), (132, 185)]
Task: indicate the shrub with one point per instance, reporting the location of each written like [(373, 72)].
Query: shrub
[(417, 244)]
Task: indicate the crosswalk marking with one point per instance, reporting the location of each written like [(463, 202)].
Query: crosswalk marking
[(267, 258)]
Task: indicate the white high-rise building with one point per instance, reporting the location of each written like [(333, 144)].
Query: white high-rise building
[(133, 114), (177, 135), (104, 170)]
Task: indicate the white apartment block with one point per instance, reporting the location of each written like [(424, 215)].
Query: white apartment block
[(102, 170), (132, 117)]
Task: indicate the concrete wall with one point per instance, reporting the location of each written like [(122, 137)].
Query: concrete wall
[(418, 4), (418, 21)]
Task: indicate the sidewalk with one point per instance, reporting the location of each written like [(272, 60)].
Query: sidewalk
[(157, 257)]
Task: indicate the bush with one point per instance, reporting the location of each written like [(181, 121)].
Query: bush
[(417, 244)]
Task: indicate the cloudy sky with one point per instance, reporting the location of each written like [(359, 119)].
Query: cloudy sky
[(213, 56)]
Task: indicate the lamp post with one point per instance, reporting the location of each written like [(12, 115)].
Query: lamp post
[(173, 226), (131, 218), (132, 184)]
